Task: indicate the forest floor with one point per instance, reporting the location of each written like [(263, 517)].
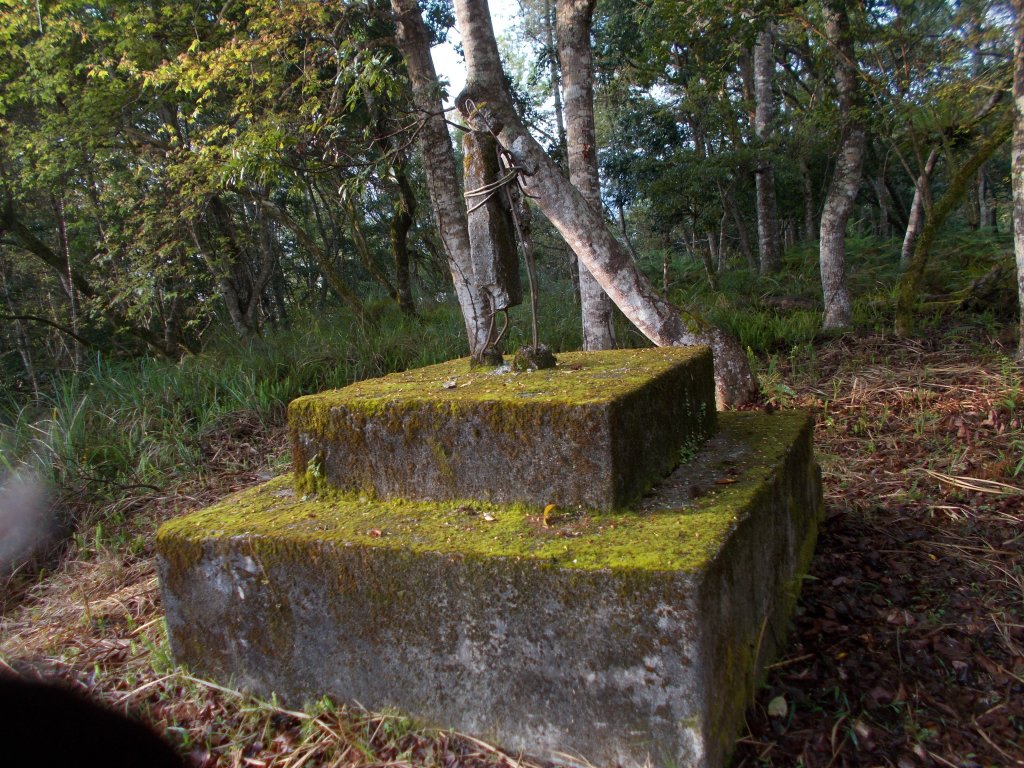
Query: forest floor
[(907, 648)]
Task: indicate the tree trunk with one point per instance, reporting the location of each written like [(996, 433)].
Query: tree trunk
[(574, 21), (842, 193), (986, 202), (922, 200), (972, 207), (810, 208), (729, 204), (882, 193), (764, 177), (488, 106), (233, 303), (69, 286), (439, 164), (404, 209), (623, 230), (401, 223), (491, 229), (21, 338), (709, 257), (550, 22), (910, 280), (1017, 160)]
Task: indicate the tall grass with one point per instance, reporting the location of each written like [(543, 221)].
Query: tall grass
[(125, 423)]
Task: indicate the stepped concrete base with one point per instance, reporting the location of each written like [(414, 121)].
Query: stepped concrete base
[(626, 638), (596, 432)]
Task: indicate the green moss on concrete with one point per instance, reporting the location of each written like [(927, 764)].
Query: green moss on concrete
[(580, 378), (637, 403), (277, 514), (512, 401)]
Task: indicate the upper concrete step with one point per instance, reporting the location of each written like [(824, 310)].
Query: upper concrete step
[(595, 432)]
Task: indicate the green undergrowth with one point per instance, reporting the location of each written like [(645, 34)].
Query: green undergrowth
[(125, 423), (777, 313), (579, 378)]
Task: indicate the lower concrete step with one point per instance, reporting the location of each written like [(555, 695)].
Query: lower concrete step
[(632, 637)]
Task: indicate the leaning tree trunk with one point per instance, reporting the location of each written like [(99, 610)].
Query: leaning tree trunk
[(842, 193), (487, 104), (1017, 159), (921, 202), (442, 177), (574, 21), (910, 280), (764, 177)]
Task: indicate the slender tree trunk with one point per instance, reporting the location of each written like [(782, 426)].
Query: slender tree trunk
[(229, 295), (404, 209), (1017, 160), (623, 230), (355, 219), (550, 25), (488, 106), (764, 177), (267, 263), (574, 21), (401, 223), (986, 209), (21, 338), (69, 286), (810, 208), (922, 201), (729, 204), (550, 22), (842, 193), (972, 207), (709, 256), (439, 164), (882, 193)]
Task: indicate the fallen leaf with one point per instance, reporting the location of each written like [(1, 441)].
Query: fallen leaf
[(778, 707), (376, 533)]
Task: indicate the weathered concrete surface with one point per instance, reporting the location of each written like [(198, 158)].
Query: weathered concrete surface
[(597, 431), (624, 638)]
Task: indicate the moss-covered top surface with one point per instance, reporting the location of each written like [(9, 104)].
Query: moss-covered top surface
[(580, 377), (672, 534)]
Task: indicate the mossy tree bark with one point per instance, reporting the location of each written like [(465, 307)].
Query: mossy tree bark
[(442, 177), (574, 22), (962, 178), (487, 105)]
